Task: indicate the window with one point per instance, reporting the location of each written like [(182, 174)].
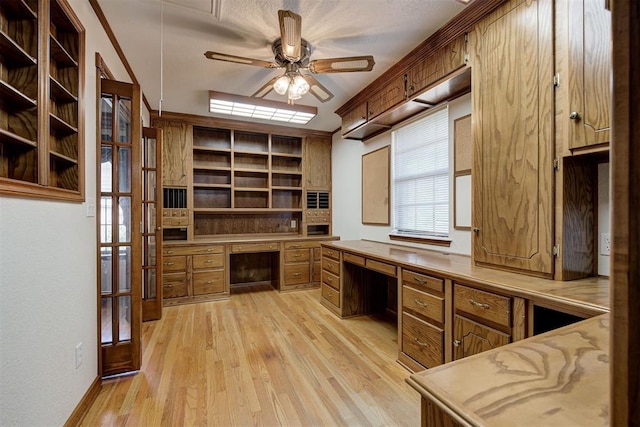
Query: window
[(421, 176)]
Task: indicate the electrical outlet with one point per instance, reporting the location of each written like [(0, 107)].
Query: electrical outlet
[(78, 355), (91, 206), (605, 243), (293, 223)]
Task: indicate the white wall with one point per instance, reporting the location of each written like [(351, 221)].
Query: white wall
[(346, 168), (48, 281)]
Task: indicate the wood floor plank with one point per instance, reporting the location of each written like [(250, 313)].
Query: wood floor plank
[(262, 358)]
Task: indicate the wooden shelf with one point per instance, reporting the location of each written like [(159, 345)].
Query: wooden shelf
[(243, 210), (60, 55), (198, 185), (60, 127), (252, 153), (258, 171), (218, 150), (212, 168), (252, 189), (17, 9), (7, 137), (285, 172), (62, 158), (12, 52), (291, 156), (59, 18), (286, 188), (59, 93), (14, 100)]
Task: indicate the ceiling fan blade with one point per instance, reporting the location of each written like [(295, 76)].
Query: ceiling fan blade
[(290, 34), (240, 60), (342, 65), (266, 88), (316, 89)]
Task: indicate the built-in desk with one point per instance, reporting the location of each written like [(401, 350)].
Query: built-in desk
[(473, 328), (207, 269)]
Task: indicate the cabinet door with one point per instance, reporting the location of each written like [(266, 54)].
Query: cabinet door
[(176, 153), (589, 25), (442, 62), (471, 338), (317, 163), (392, 94), (513, 134), (354, 118)]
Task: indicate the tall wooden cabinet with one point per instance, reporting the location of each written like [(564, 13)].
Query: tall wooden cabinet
[(41, 94), (512, 74)]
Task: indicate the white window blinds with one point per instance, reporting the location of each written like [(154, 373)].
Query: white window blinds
[(421, 176)]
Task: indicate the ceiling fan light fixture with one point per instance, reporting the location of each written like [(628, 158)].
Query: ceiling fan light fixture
[(282, 84), (299, 86)]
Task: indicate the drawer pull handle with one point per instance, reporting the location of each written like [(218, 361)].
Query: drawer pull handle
[(297, 255), (419, 280), (420, 343), (209, 261), (168, 263), (168, 252), (210, 250), (168, 286), (295, 246), (478, 304), (420, 302), (457, 343), (209, 282), (297, 274)]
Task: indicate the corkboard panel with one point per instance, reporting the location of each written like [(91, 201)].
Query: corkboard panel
[(375, 187), (462, 144)]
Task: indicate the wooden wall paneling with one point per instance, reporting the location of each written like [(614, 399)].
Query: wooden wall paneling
[(214, 224), (625, 167), (579, 219)]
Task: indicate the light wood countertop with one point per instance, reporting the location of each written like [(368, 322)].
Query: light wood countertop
[(255, 238), (584, 297), (559, 378)]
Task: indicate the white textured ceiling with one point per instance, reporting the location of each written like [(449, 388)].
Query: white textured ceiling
[(386, 29)]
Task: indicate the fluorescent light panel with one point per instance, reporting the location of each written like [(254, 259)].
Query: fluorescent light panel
[(256, 108)]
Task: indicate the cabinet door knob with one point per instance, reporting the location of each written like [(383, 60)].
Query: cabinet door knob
[(574, 115), (457, 343), (476, 230)]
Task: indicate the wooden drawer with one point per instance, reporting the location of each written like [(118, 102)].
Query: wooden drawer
[(331, 266), (296, 255), (421, 341), (193, 250), (174, 263), (354, 259), (423, 303), (179, 221), (174, 285), (208, 282), (208, 261), (331, 295), (296, 274), (422, 281), (255, 247), (331, 280), (301, 245), (382, 267), (331, 253), (485, 305)]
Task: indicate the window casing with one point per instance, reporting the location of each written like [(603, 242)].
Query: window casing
[(421, 176)]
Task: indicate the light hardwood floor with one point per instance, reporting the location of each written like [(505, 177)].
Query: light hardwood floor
[(262, 358)]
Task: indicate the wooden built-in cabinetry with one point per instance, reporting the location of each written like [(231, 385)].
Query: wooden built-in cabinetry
[(244, 179), (513, 150), (41, 95)]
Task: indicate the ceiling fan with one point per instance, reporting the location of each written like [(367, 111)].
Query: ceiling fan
[(292, 53)]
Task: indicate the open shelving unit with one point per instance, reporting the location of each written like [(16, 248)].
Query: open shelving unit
[(246, 182), (40, 93)]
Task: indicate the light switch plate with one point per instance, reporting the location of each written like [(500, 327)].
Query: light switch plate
[(91, 206)]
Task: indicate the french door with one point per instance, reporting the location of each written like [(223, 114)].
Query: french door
[(151, 224), (119, 221)]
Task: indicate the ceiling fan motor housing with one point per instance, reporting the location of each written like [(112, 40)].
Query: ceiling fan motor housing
[(305, 53)]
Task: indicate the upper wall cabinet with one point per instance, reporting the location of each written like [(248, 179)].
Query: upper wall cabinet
[(41, 92), (317, 163), (444, 61), (512, 71), (589, 73), (387, 97), (176, 157)]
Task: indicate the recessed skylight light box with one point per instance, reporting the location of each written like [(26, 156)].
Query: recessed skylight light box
[(244, 106)]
